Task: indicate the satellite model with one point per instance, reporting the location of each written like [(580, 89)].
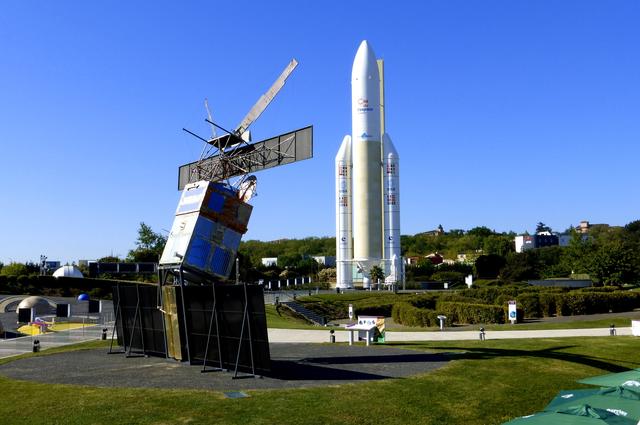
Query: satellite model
[(213, 212), (190, 315)]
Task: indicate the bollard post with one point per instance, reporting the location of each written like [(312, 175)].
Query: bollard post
[(332, 336), (104, 334), (36, 345), (612, 330), (482, 334)]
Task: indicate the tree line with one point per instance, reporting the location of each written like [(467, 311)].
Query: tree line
[(610, 255)]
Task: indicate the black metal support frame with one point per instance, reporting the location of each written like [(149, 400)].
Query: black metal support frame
[(246, 319), (214, 318), (118, 317)]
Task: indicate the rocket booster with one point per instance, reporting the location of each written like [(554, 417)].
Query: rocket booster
[(367, 181), (344, 235)]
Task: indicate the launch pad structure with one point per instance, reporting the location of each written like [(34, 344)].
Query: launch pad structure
[(192, 314)]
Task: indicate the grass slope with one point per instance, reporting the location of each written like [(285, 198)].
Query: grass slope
[(485, 383)]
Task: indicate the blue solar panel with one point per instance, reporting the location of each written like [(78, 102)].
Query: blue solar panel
[(231, 239), (204, 228), (216, 202), (198, 253), (220, 261)]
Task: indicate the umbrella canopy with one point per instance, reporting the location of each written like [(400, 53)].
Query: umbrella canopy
[(621, 401), (578, 415), (83, 297), (630, 378)]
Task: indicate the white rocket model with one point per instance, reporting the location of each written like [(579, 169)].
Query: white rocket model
[(367, 183)]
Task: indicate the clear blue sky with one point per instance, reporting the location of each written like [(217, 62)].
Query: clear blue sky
[(504, 113)]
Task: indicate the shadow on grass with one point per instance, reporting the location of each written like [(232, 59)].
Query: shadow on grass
[(361, 368), (556, 353)]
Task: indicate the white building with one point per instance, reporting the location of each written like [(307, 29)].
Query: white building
[(269, 261), (325, 260)]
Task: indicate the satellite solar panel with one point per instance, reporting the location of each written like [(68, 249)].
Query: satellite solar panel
[(280, 150), (231, 337)]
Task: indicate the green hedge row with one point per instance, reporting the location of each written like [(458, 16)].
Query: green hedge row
[(408, 314), (56, 287), (334, 306), (545, 304), (468, 313)]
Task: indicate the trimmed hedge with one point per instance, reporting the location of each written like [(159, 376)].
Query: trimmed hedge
[(405, 313), (574, 303), (472, 313), (60, 286)]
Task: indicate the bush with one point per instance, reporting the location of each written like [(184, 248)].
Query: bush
[(468, 313), (409, 315), (592, 302), (548, 303), (530, 304)]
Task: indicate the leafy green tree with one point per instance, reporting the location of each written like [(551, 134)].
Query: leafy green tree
[(541, 227), (521, 266), (481, 231), (109, 259), (327, 275), (149, 245), (614, 264), (376, 274), (498, 245), (15, 269), (489, 266)]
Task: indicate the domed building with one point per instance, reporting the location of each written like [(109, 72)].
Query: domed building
[(68, 271), (41, 305)]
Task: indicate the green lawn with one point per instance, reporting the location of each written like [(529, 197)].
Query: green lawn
[(484, 383), (285, 320), (620, 322)]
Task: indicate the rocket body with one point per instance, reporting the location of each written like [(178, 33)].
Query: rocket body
[(367, 182), (366, 151)]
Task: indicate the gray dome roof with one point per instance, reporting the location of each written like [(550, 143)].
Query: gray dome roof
[(40, 304)]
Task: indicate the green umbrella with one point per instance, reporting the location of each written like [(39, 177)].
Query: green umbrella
[(630, 378), (621, 401), (577, 415)]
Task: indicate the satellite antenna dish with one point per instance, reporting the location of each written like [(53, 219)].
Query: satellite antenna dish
[(248, 188)]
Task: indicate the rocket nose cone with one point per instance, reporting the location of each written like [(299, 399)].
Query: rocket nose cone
[(365, 60)]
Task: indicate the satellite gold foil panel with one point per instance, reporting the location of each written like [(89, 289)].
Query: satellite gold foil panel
[(172, 325)]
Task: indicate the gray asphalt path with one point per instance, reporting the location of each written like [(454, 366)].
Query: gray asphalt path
[(15, 346), (292, 366)]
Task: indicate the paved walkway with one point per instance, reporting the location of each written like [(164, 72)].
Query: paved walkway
[(14, 346), (317, 336)]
